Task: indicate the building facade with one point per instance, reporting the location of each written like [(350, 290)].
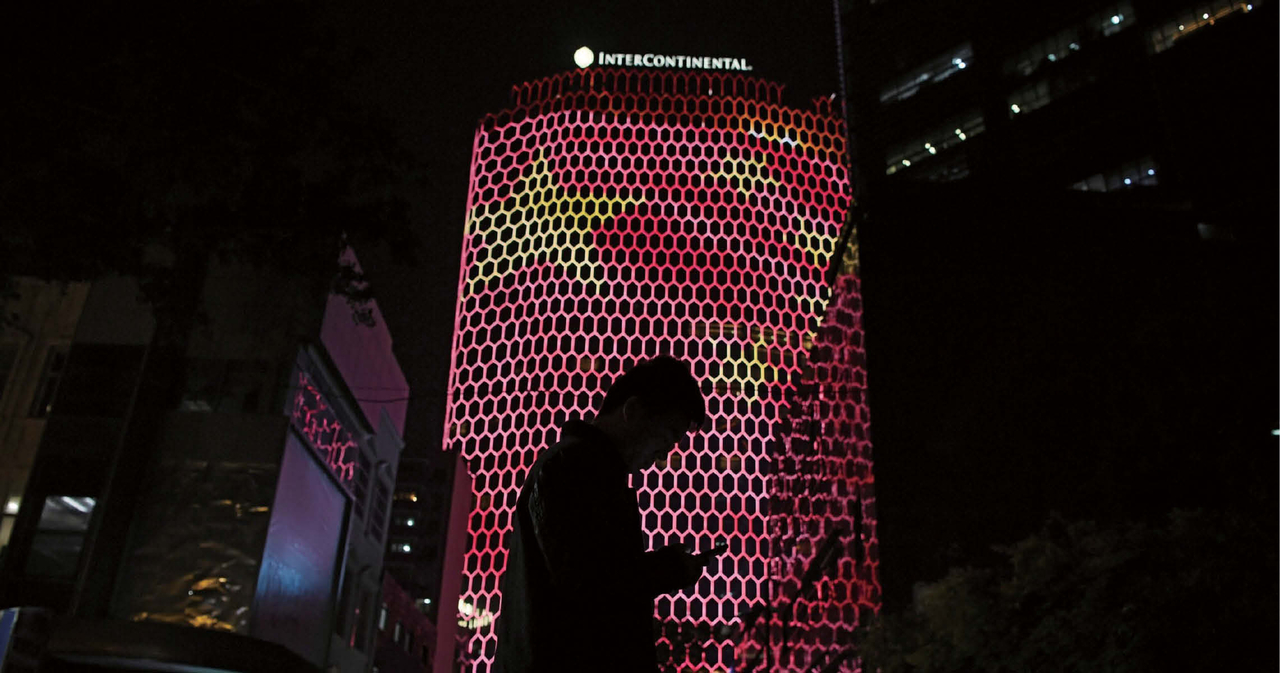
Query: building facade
[(1091, 183), (406, 637), (429, 516), (33, 354), (263, 507), (419, 524), (1097, 96), (617, 214)]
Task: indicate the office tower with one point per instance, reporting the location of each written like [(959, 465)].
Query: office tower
[(1069, 187)]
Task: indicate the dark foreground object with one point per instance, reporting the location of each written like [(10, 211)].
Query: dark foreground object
[(79, 645)]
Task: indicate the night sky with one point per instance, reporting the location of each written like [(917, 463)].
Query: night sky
[(1015, 368)]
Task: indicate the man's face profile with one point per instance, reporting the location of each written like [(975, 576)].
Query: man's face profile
[(656, 433)]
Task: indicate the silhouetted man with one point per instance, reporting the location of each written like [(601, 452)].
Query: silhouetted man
[(578, 590)]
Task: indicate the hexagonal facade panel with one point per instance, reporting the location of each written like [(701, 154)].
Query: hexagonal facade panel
[(615, 215)]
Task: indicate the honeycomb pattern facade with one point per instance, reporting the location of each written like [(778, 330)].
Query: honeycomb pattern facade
[(823, 491), (614, 215)]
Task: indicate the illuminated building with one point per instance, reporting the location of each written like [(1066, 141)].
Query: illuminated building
[(262, 510), (33, 354), (617, 214)]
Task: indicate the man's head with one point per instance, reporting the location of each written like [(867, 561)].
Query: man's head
[(649, 408)]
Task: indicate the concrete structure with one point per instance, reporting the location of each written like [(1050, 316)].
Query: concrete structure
[(263, 509), (33, 353), (406, 636)]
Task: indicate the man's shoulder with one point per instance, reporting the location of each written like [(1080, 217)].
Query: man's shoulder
[(576, 451)]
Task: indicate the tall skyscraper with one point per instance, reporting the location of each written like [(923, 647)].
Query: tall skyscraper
[(1058, 183), (617, 214)]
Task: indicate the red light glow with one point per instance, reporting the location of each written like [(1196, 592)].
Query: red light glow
[(313, 417), (614, 215)]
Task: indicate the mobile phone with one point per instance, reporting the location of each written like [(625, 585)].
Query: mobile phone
[(717, 550)]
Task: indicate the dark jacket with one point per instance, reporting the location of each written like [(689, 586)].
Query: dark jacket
[(578, 589)]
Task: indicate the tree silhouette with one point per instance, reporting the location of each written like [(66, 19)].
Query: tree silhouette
[(1195, 593)]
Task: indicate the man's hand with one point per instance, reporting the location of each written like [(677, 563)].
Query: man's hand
[(688, 567)]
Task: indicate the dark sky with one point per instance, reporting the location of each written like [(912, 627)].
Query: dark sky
[(1023, 360)]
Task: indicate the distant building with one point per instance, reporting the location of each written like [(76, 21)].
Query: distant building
[(427, 536), (1098, 96), (406, 637), (1086, 191), (33, 355), (419, 523), (263, 509), (615, 214)]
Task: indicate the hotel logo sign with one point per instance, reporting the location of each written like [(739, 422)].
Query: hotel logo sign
[(584, 57)]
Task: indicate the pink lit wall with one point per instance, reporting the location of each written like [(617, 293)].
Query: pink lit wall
[(614, 215), (363, 355), (822, 488)]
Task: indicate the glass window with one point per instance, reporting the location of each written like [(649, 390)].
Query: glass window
[(1039, 94), (932, 72), (1205, 14), (11, 506), (922, 149), (1112, 20), (55, 549), (382, 617), (1071, 39), (1143, 172), (1050, 50)]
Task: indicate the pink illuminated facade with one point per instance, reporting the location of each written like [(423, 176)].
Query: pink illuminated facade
[(614, 215)]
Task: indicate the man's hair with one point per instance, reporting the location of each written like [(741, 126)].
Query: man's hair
[(664, 384)]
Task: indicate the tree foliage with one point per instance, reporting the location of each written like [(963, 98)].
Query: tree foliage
[(1195, 593), (139, 135)]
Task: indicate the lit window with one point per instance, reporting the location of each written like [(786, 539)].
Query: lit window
[(1068, 40), (932, 72), (1189, 21), (1039, 94), (957, 131), (1140, 173), (1114, 19), (59, 536)]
